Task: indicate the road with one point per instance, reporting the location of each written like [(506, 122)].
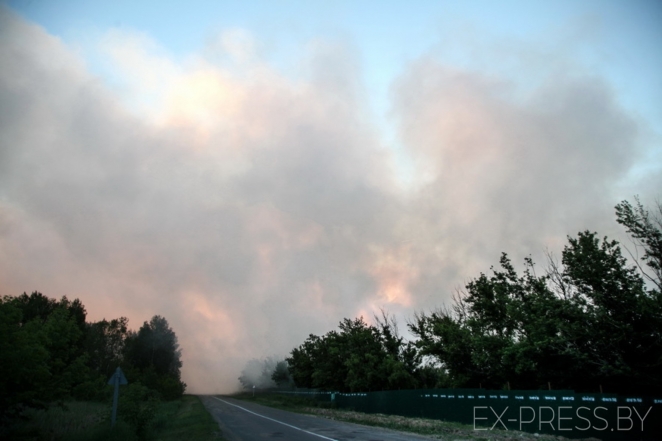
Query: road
[(245, 421)]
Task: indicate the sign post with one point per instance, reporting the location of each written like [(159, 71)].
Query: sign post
[(115, 380)]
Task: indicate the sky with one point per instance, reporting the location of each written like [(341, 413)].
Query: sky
[(257, 171)]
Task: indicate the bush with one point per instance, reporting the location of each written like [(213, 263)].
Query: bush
[(137, 406), (94, 388)]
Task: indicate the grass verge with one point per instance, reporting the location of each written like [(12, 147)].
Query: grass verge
[(437, 429), (185, 419), (191, 422)]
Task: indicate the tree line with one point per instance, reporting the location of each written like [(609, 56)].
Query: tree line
[(591, 322), (50, 353)]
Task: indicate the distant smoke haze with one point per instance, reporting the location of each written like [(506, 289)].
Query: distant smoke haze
[(251, 210), (259, 373)]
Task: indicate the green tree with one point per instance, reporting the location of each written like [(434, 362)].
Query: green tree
[(356, 357), (58, 326), (155, 345), (588, 323), (646, 231), (104, 344), (402, 360), (154, 353), (364, 356), (301, 362), (281, 375), (24, 370), (34, 306), (67, 359), (138, 405), (38, 306), (443, 336), (623, 320)]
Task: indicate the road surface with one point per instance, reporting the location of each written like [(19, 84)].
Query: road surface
[(245, 421)]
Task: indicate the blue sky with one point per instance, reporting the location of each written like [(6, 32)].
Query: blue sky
[(258, 171), (616, 39)]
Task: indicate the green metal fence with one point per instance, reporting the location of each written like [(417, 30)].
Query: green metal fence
[(557, 412)]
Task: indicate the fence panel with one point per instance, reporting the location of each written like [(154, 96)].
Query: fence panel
[(556, 412)]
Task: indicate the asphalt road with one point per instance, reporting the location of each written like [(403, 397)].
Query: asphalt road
[(244, 421)]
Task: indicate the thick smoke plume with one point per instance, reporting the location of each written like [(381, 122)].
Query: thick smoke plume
[(251, 210)]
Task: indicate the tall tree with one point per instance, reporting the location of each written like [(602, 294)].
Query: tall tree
[(24, 370), (364, 356), (402, 361), (588, 323), (281, 375), (42, 358), (154, 352), (104, 344), (38, 306), (67, 358), (646, 231), (155, 345), (623, 319), (301, 362), (356, 357)]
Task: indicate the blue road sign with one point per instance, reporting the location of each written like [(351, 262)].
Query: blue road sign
[(115, 380)]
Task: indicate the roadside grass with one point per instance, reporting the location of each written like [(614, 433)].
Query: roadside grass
[(438, 429), (191, 422), (89, 421)]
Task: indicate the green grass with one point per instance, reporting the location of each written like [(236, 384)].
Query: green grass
[(185, 419), (192, 422)]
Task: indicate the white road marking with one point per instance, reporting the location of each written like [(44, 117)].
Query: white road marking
[(276, 421)]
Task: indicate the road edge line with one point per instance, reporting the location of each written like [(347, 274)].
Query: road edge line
[(276, 421)]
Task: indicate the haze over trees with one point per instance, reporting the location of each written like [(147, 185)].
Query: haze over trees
[(264, 374), (48, 353), (591, 322)]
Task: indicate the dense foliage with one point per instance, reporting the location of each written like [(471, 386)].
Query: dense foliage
[(359, 357), (591, 322), (152, 355), (48, 352)]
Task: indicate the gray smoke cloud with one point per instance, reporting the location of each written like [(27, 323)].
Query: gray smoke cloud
[(251, 210), (506, 174)]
